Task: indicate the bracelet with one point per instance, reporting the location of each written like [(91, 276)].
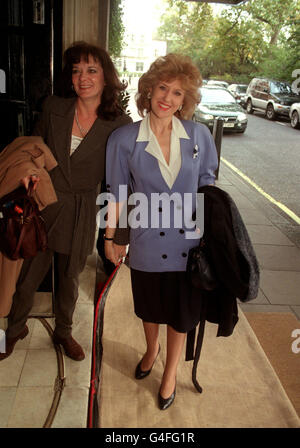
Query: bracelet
[(107, 239)]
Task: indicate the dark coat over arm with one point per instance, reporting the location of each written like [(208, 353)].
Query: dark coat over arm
[(232, 256)]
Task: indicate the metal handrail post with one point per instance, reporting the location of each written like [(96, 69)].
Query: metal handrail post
[(217, 135)]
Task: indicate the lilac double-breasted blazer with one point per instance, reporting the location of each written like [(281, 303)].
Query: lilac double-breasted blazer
[(161, 243)]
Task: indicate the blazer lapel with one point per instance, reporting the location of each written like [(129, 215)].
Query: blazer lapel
[(62, 123), (186, 160), (95, 138)]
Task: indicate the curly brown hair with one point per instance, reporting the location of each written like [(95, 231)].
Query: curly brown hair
[(168, 68), (110, 106)]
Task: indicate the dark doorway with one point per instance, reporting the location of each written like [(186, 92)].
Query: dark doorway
[(30, 61)]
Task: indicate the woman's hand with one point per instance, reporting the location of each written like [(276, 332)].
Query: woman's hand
[(110, 252), (120, 250), (114, 252), (33, 178)]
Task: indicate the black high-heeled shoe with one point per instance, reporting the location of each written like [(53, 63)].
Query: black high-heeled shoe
[(165, 403), (141, 374)]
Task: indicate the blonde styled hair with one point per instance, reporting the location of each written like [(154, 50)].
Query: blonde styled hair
[(168, 68)]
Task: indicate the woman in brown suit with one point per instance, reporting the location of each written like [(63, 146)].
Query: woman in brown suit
[(76, 130)]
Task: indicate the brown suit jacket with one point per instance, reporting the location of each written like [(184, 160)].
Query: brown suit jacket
[(71, 222)]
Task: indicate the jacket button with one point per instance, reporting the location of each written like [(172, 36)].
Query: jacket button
[(164, 256), (181, 231), (184, 254), (162, 233)]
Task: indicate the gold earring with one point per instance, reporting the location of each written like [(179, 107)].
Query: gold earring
[(180, 108), (149, 96)]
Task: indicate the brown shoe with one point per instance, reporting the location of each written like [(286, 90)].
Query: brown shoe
[(11, 342), (72, 349)]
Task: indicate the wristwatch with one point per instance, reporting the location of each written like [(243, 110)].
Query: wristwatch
[(107, 239)]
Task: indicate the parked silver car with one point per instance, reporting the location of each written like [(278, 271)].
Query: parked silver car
[(295, 115), (270, 96), (239, 93), (214, 82), (217, 102)]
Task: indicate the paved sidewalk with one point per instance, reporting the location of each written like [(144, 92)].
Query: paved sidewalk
[(28, 376), (275, 238)]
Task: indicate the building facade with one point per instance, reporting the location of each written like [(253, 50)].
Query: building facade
[(139, 52)]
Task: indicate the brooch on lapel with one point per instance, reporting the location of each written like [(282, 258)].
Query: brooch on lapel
[(195, 152)]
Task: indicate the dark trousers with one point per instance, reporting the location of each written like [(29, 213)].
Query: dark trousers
[(66, 294)]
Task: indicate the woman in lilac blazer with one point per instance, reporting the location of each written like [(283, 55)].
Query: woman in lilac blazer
[(163, 159)]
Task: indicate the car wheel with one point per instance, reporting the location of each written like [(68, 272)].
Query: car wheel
[(249, 107), (295, 123), (270, 112)]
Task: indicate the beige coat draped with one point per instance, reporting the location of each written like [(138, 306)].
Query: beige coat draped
[(23, 157)]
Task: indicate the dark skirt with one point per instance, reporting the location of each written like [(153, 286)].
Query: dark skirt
[(166, 298)]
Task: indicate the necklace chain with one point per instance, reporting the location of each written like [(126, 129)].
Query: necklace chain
[(82, 130)]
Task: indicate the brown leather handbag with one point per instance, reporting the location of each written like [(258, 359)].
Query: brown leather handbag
[(22, 229)]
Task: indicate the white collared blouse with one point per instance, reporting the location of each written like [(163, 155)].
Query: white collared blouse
[(169, 171)]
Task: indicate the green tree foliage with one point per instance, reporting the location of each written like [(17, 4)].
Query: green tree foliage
[(185, 28), (275, 15), (115, 45), (237, 45), (260, 37), (279, 24), (116, 28), (293, 43)]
